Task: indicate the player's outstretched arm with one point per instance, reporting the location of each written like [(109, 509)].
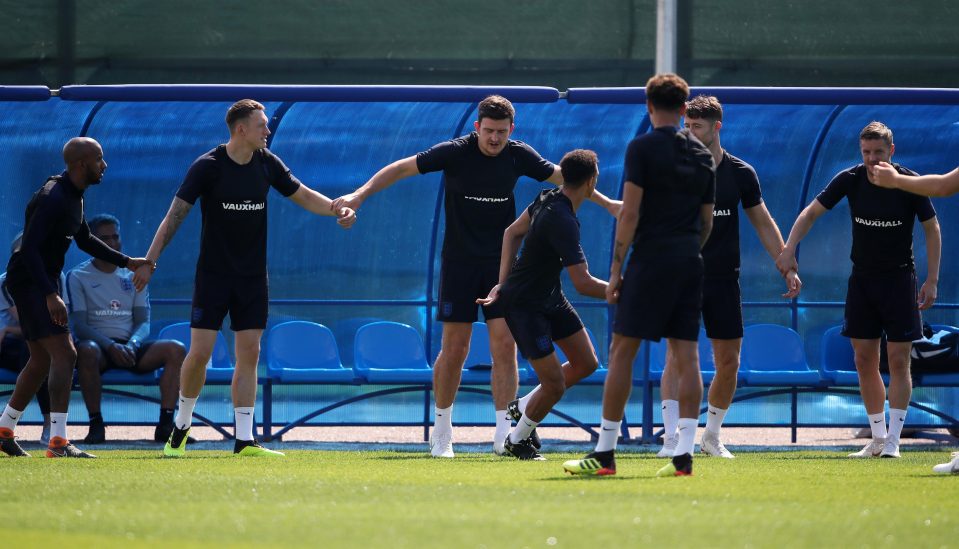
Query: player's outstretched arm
[(512, 239), (598, 198), (585, 283), (319, 204), (787, 259), (772, 241), (930, 288), (174, 217), (626, 223), (382, 179), (884, 175), (766, 229)]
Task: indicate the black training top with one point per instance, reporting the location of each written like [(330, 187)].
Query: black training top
[(479, 192), (551, 244), (233, 202), (676, 173), (736, 182), (53, 218), (882, 219)]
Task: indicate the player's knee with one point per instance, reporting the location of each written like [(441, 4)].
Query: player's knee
[(867, 362), (175, 353), (87, 354), (66, 355), (727, 368), (585, 366), (455, 352)]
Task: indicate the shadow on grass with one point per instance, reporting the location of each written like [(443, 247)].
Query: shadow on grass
[(161, 457), (414, 457), (590, 478)]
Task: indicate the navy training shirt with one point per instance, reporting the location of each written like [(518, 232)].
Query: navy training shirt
[(53, 218), (736, 182), (233, 203), (882, 219), (479, 192), (552, 244), (677, 175)]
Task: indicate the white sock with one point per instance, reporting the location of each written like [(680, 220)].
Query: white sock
[(687, 435), (670, 417), (58, 425), (523, 428), (10, 417), (897, 418), (184, 412), (877, 422), (444, 419), (524, 400), (503, 425), (714, 419), (244, 422), (608, 435)]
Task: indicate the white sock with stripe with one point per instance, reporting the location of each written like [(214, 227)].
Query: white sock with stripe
[(11, 416), (58, 425), (608, 435), (244, 422), (670, 417), (184, 412), (687, 436)]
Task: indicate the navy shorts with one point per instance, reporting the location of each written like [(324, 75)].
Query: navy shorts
[(461, 284), (883, 302), (35, 321), (536, 328), (245, 298), (722, 308), (660, 298)]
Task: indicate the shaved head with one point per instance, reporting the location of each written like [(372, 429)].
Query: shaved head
[(84, 159), (80, 148)]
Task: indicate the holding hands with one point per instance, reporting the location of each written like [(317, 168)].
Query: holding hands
[(345, 216), (352, 201), (142, 271), (788, 267)]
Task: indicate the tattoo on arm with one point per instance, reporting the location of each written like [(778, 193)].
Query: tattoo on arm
[(619, 252), (178, 211)]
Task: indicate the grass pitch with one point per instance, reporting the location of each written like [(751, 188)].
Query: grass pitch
[(389, 499)]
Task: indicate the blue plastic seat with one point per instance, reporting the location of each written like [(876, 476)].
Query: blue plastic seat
[(7, 377), (773, 355), (344, 331), (390, 353), (304, 352), (837, 362), (220, 368)]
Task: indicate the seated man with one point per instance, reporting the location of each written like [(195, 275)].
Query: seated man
[(110, 321), (13, 348)]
